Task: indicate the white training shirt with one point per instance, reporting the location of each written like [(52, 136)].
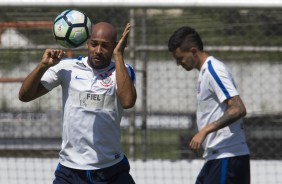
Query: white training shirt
[(215, 85), (92, 113)]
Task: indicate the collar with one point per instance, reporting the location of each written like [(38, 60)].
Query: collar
[(108, 68)]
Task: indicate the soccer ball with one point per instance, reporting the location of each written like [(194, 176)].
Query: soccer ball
[(71, 28)]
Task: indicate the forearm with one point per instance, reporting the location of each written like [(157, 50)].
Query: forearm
[(125, 88), (235, 111), (30, 86), (228, 117)]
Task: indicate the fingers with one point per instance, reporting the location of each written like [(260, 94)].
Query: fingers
[(126, 31), (52, 57), (194, 146), (56, 54), (127, 28), (123, 40)]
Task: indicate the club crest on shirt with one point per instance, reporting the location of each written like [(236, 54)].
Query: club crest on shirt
[(106, 79)]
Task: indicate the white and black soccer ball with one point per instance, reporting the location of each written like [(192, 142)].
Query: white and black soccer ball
[(71, 28)]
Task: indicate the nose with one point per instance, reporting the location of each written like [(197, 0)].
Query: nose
[(98, 49)]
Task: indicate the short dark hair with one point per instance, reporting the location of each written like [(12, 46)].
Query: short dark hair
[(185, 38)]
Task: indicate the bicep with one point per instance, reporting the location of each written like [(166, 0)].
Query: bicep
[(236, 105)]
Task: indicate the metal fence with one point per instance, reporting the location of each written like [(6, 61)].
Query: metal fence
[(156, 131)]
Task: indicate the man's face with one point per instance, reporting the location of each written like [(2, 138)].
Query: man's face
[(100, 49), (185, 59)]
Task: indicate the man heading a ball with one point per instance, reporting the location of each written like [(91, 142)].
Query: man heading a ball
[(95, 91)]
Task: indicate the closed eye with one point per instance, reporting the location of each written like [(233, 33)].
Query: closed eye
[(103, 44)]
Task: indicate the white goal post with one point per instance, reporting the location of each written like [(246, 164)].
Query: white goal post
[(146, 3)]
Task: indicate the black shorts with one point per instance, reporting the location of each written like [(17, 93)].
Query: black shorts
[(233, 170), (116, 174)]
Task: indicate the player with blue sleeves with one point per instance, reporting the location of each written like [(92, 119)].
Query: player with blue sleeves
[(220, 113)]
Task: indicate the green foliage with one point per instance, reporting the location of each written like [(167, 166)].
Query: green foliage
[(161, 143)]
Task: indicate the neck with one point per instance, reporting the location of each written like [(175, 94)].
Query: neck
[(202, 58)]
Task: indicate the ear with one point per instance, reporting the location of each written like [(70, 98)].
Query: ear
[(194, 51)]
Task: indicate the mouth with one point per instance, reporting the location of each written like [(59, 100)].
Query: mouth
[(97, 58)]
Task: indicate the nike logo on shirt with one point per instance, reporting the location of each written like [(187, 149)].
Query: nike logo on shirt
[(79, 78)]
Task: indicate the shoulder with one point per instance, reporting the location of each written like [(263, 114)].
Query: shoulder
[(216, 66), (215, 63), (130, 71), (128, 66), (68, 63)]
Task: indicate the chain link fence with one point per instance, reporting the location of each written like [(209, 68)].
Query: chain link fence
[(156, 131)]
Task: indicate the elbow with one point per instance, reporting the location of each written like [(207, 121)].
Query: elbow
[(241, 112), (129, 102), (244, 113), (23, 98), (22, 95), (128, 105)]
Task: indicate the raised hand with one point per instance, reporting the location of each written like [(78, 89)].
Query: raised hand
[(119, 49), (51, 57)]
